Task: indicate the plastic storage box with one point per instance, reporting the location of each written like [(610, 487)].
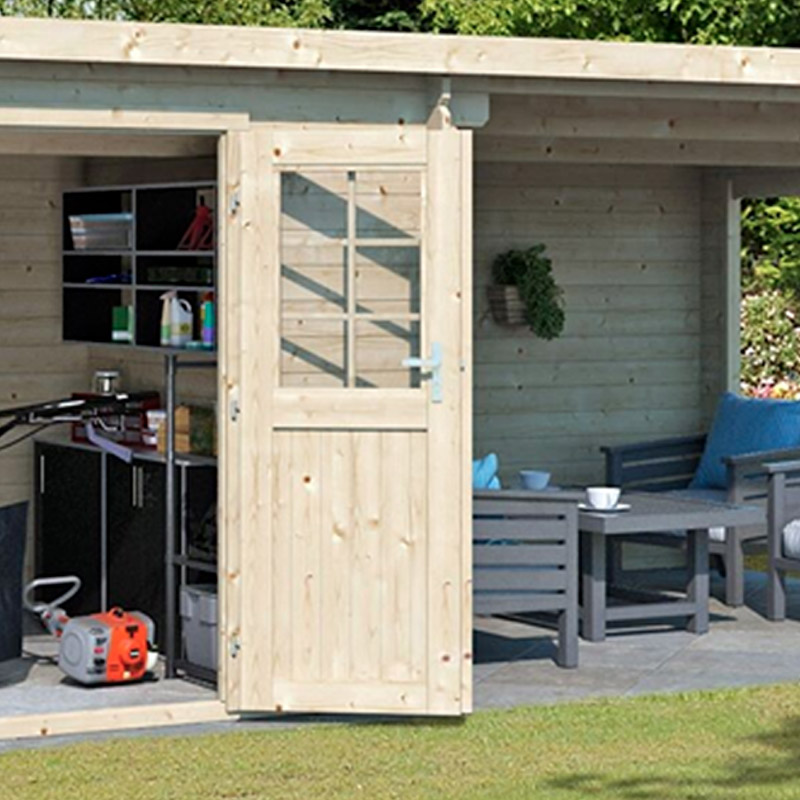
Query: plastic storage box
[(199, 616), (102, 231)]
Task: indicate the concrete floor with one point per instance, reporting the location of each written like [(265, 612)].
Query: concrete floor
[(34, 684), (513, 666)]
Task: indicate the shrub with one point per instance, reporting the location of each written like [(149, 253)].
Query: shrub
[(770, 344)]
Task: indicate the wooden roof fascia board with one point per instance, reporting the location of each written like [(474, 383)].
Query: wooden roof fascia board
[(517, 150), (652, 90), (640, 118), (768, 182), (115, 119), (294, 49), (85, 144)]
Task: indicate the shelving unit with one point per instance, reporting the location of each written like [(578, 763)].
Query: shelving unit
[(94, 281)]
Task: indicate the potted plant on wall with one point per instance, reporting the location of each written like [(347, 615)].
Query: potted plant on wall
[(525, 292)]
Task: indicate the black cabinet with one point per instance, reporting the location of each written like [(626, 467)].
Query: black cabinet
[(105, 521), (69, 520), (136, 538)]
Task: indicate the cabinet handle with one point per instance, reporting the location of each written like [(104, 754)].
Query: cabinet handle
[(141, 487), (41, 473), (134, 494)]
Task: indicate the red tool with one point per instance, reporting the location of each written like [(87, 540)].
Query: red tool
[(200, 233)]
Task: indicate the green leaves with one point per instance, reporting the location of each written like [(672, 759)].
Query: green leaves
[(744, 22), (532, 273), (771, 245)]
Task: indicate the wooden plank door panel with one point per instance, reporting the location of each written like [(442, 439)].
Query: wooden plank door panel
[(350, 575)]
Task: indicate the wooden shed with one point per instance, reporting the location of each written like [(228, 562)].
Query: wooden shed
[(364, 184)]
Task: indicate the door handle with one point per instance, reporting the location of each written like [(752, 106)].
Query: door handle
[(431, 366), (134, 487), (141, 487)]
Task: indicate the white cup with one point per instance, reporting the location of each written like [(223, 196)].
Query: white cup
[(602, 497)]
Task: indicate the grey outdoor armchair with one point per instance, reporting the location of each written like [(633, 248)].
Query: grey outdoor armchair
[(670, 464), (783, 527), (525, 552)]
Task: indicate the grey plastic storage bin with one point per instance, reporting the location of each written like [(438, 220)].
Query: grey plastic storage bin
[(199, 616)]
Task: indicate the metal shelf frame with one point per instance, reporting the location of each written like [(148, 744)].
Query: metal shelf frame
[(174, 556)]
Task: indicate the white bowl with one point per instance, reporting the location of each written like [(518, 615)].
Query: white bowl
[(534, 478), (603, 497)]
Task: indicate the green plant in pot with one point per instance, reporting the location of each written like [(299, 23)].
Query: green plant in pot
[(542, 299)]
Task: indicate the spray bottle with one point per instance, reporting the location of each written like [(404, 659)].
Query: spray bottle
[(166, 318)]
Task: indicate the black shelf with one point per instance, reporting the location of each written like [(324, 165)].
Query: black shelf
[(151, 266)]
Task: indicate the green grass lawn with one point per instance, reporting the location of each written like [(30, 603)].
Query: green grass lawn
[(725, 744)]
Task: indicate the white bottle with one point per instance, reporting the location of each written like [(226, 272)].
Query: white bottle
[(181, 318)]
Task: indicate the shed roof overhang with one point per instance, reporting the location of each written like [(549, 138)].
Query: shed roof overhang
[(424, 54)]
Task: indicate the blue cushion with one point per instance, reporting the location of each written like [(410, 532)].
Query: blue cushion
[(484, 472), (745, 425)]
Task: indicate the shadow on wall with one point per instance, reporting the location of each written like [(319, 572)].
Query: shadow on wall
[(326, 221)]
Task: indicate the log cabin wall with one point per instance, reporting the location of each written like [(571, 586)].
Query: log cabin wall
[(35, 365), (626, 247)]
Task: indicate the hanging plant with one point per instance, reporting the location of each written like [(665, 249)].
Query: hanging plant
[(539, 300)]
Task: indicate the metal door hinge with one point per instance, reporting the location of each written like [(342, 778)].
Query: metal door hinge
[(235, 647), (234, 409), (234, 201)]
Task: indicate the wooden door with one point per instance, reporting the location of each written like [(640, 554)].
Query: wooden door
[(346, 364)]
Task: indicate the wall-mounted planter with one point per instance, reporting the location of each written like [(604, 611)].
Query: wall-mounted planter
[(506, 305), (525, 293)]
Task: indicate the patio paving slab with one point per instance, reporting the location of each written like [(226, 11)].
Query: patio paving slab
[(742, 648)]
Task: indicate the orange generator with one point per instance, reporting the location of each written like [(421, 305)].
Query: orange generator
[(113, 647)]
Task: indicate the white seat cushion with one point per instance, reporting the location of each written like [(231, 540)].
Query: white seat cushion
[(791, 539), (716, 534)]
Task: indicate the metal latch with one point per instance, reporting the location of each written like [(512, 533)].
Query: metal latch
[(234, 201), (431, 366), (235, 647)]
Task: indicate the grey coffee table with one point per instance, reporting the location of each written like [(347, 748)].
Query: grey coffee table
[(652, 513)]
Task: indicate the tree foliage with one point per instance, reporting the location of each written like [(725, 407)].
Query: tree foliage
[(771, 245), (744, 22)]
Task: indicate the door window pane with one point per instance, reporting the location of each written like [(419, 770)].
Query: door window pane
[(350, 277)]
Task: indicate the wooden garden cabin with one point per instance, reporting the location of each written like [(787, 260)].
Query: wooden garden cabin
[(365, 183)]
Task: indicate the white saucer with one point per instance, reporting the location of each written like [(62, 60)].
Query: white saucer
[(616, 509)]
